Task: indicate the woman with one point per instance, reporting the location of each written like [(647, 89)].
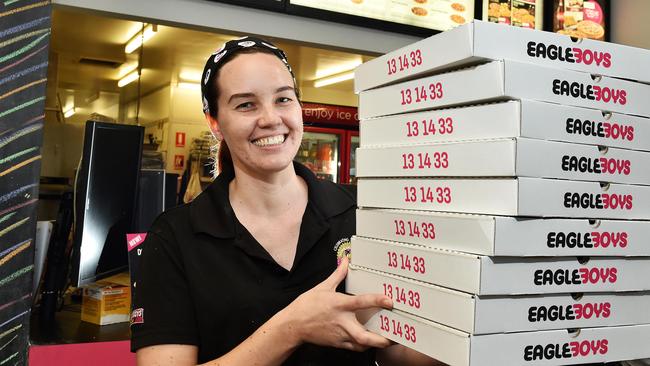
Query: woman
[(247, 273)]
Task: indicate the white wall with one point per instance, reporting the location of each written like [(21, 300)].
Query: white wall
[(631, 22), (62, 145)]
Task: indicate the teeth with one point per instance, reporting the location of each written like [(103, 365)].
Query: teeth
[(268, 141)]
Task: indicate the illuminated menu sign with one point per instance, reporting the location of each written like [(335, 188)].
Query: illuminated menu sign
[(520, 13), (580, 18), (432, 14)]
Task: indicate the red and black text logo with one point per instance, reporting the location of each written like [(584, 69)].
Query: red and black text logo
[(609, 130), (571, 349), (573, 55), (579, 276), (589, 92), (569, 312)]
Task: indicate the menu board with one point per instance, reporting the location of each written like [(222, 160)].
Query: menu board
[(580, 18), (432, 14), (520, 13)]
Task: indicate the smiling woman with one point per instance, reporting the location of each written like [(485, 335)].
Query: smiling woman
[(246, 274)]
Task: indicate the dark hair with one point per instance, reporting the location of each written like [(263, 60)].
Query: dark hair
[(223, 159)]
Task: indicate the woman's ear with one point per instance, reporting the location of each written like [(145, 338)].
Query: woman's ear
[(214, 126)]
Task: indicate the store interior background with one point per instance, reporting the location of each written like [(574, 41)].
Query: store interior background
[(87, 58)]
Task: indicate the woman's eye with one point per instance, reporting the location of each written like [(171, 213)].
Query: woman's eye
[(246, 105), (284, 100)]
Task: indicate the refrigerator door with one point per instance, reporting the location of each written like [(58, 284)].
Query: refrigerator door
[(352, 168), (320, 152)]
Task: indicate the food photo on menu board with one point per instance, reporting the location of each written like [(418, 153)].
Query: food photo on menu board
[(580, 18), (433, 14), (520, 13)]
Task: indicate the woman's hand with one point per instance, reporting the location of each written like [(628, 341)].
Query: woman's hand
[(325, 317)]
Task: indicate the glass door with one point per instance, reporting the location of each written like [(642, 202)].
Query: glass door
[(352, 168), (320, 151)]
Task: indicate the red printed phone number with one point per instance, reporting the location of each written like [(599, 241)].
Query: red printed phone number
[(403, 330), (423, 229), (421, 93), (445, 126), (440, 160), (412, 59), (427, 195), (410, 298), (404, 262)]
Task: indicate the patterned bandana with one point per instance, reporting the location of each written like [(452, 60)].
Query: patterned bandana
[(231, 47)]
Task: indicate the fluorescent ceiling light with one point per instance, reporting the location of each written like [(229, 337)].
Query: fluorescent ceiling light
[(69, 113), (342, 67), (188, 85), (138, 39), (333, 79), (128, 79), (190, 75), (127, 68)]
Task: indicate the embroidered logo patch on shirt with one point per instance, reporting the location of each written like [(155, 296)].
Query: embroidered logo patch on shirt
[(342, 249), (137, 316)]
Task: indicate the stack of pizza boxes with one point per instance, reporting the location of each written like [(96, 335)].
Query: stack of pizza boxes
[(503, 192)]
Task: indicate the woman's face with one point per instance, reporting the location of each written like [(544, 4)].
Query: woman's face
[(259, 115)]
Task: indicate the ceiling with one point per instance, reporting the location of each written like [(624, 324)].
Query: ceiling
[(87, 57)]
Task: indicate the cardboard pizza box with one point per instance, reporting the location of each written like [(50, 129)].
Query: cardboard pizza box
[(513, 157), (485, 275), (550, 347), (507, 236), (515, 118), (501, 314), (483, 41), (503, 80), (534, 197)]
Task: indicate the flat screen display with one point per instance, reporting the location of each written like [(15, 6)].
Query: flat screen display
[(106, 192), (438, 15), (261, 4)]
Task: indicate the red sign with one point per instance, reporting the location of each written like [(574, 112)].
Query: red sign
[(333, 114), (180, 139), (179, 162)]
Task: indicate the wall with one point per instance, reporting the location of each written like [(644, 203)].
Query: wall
[(631, 22)]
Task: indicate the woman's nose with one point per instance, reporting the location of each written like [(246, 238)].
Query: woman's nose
[(269, 116)]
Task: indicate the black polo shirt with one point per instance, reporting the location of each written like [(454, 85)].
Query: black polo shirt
[(205, 281)]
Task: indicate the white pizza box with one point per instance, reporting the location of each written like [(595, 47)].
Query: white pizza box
[(504, 314), (512, 157), (484, 275), (524, 118), (550, 347), (482, 41), (502, 80), (507, 196), (507, 236)]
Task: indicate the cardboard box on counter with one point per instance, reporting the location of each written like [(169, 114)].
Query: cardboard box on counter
[(506, 196), (515, 118), (505, 314), (106, 303), (502, 80), (550, 347), (484, 275), (507, 236), (483, 41), (514, 157)]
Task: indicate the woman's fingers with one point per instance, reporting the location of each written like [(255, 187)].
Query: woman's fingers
[(362, 336), (365, 301), (331, 282)]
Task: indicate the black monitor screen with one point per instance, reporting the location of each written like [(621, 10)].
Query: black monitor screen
[(106, 194)]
